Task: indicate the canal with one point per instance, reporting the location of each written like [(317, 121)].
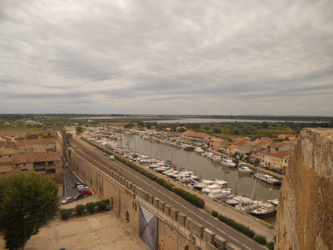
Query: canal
[(203, 167)]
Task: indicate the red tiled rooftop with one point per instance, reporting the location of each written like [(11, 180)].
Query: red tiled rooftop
[(37, 157), (281, 154)]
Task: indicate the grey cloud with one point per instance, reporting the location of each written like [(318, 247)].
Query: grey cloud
[(171, 53)]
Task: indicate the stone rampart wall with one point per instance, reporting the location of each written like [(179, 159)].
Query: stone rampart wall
[(305, 212), (175, 230)]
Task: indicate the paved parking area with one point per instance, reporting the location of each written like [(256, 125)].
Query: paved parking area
[(94, 232)]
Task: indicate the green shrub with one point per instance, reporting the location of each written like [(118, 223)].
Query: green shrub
[(64, 214), (79, 209), (91, 207), (214, 213), (260, 239), (101, 205), (168, 185), (160, 181), (107, 201), (239, 227), (271, 245)]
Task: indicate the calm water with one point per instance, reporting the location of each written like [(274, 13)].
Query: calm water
[(203, 167), (211, 120)]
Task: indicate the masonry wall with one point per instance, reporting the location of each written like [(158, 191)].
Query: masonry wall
[(175, 230), (304, 217)]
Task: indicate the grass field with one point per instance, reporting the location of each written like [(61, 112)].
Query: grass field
[(13, 128), (269, 132)]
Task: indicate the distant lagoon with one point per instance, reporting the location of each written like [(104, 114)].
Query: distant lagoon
[(214, 120), (189, 120)]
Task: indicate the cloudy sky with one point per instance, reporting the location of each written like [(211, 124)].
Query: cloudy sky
[(167, 57)]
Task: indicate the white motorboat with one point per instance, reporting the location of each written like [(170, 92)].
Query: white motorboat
[(239, 199), (268, 179), (216, 158), (265, 209), (221, 183), (219, 193), (161, 169), (209, 188), (198, 150), (208, 182), (244, 169), (199, 186), (274, 202), (183, 177), (228, 163)]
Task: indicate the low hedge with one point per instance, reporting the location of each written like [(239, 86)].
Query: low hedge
[(193, 199), (214, 213), (80, 209), (271, 245), (64, 214), (91, 207), (101, 205), (260, 239), (239, 227)]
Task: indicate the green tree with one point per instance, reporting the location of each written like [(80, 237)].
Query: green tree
[(27, 201), (129, 125), (217, 130), (79, 129), (265, 125)]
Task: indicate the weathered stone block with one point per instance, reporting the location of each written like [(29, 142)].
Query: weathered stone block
[(167, 209), (182, 219), (194, 227), (174, 213), (161, 205), (155, 202), (150, 198), (220, 242), (231, 246), (208, 235)]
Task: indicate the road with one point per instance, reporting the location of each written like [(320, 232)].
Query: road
[(208, 221)]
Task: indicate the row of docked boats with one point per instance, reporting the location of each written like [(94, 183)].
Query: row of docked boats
[(217, 189)]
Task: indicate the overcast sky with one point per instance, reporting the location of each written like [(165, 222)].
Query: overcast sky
[(167, 57)]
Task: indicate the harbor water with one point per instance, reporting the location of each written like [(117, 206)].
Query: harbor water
[(203, 167)]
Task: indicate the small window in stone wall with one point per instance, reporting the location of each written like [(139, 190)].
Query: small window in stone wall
[(135, 207)]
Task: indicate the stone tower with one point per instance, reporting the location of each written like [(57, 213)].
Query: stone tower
[(305, 212)]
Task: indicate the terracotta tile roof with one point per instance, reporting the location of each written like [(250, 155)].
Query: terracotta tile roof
[(19, 143), (10, 144), (217, 139), (8, 152), (39, 149), (38, 141), (37, 157), (241, 143), (195, 134), (281, 154), (6, 169), (266, 153)]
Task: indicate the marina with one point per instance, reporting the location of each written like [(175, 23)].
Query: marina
[(192, 167)]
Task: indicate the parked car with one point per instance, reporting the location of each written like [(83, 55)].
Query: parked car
[(79, 196), (86, 191), (82, 187), (95, 148), (104, 154), (263, 165), (78, 183), (67, 200)]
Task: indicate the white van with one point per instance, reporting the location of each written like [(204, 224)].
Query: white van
[(111, 157)]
